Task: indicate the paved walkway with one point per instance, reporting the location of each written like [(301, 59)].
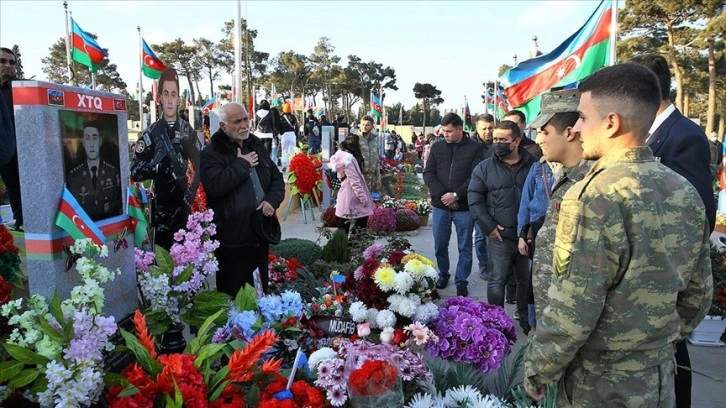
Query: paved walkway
[(708, 360)]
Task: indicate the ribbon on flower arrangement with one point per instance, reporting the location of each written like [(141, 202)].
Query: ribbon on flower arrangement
[(137, 219)]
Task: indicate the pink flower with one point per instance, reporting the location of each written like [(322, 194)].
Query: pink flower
[(364, 329)]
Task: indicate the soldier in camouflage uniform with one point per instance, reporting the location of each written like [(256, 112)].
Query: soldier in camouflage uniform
[(165, 153), (368, 141), (631, 266), (561, 146), (95, 183)]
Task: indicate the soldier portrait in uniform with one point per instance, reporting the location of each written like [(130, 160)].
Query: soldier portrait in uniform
[(92, 162)]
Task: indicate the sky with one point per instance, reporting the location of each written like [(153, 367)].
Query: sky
[(454, 45)]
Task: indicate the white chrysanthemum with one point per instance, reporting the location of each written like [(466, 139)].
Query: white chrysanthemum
[(358, 312), (385, 278), (405, 306), (372, 316), (416, 268), (426, 313), (466, 393), (430, 272), (386, 318), (420, 400), (403, 282), (325, 353)]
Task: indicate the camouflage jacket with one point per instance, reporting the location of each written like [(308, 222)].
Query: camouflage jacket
[(371, 160), (631, 270), (542, 263)]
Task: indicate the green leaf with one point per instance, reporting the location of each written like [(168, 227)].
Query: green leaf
[(221, 375), (294, 190), (219, 391), (142, 355), (110, 379), (128, 391), (246, 298), (50, 331), (10, 369), (207, 352), (55, 308), (291, 178), (163, 259), (24, 378), (178, 398), (202, 334), (39, 385), (157, 322), (24, 355), (184, 275), (17, 281), (207, 303)]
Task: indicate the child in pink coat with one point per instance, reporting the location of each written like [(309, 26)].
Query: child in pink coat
[(354, 200)]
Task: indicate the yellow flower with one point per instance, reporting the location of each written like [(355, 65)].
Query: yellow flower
[(418, 257), (384, 278), (415, 267)]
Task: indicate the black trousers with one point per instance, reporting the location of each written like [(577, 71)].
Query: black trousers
[(237, 264), (11, 177), (684, 377)]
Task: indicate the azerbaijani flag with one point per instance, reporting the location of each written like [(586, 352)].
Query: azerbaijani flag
[(583, 53), (151, 66), (212, 104), (73, 220), (376, 105), (468, 121), (136, 213), (86, 50)]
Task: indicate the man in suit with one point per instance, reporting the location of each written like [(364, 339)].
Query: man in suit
[(681, 145)]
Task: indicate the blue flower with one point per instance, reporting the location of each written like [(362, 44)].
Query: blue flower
[(270, 308), (292, 303), (244, 321)]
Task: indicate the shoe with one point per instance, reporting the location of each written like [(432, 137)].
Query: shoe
[(461, 290), (511, 301), (484, 274), (516, 315), (722, 240), (442, 283), (18, 226)]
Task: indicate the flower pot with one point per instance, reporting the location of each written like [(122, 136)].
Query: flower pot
[(708, 332), (423, 220), (173, 339)]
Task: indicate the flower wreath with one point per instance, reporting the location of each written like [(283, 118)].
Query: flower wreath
[(305, 176)]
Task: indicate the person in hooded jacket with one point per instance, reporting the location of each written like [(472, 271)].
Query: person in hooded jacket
[(353, 203), (288, 127), (228, 167), (268, 127)]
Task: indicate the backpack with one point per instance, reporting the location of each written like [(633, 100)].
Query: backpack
[(311, 128)]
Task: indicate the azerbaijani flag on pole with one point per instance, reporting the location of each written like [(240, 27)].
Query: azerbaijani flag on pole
[(136, 214), (376, 105), (211, 105), (86, 50), (468, 121), (73, 219), (583, 53), (151, 66)]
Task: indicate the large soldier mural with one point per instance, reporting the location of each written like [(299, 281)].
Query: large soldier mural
[(166, 153)]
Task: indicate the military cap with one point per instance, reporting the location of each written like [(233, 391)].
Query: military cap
[(556, 102)]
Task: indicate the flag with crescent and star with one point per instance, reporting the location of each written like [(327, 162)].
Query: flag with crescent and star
[(151, 66), (583, 53), (86, 50), (73, 220)]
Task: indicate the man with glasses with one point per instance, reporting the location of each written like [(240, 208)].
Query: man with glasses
[(9, 161)]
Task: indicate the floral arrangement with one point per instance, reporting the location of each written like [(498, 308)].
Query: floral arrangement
[(9, 258), (334, 366), (327, 304), (330, 219), (56, 350), (305, 175), (464, 396), (373, 378), (200, 197), (390, 166), (282, 272), (472, 332), (423, 206), (383, 220), (393, 291), (420, 207), (406, 220), (168, 286)]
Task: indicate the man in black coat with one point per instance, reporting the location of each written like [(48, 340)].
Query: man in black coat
[(242, 186), (447, 173), (494, 194), (9, 163), (681, 145)]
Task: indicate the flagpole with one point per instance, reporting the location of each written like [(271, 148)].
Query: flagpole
[(614, 34), (496, 90), (68, 45), (141, 83), (237, 53)]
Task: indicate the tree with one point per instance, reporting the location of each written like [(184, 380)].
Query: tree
[(291, 71), (55, 68), (323, 62), (503, 68), (19, 72), (254, 63), (365, 76), (428, 94), (209, 59), (182, 57)]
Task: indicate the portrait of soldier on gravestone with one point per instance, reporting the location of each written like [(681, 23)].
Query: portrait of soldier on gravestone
[(92, 162)]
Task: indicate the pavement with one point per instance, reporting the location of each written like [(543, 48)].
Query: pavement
[(708, 361)]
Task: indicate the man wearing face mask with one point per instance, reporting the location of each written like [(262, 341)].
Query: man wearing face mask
[(494, 194)]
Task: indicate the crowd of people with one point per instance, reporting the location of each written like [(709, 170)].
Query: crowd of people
[(598, 231)]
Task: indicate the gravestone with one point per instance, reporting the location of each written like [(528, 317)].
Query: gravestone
[(79, 138)]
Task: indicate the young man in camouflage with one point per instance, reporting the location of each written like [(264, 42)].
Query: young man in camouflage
[(369, 149), (561, 145), (631, 261)]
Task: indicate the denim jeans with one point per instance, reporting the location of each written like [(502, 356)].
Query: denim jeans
[(505, 261), (441, 225), (480, 245), (314, 143)]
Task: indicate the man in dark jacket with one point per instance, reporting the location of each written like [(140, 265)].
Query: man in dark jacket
[(9, 167), (447, 173), (494, 193), (483, 134), (231, 167)]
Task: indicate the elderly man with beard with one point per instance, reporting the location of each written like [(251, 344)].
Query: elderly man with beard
[(240, 180)]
